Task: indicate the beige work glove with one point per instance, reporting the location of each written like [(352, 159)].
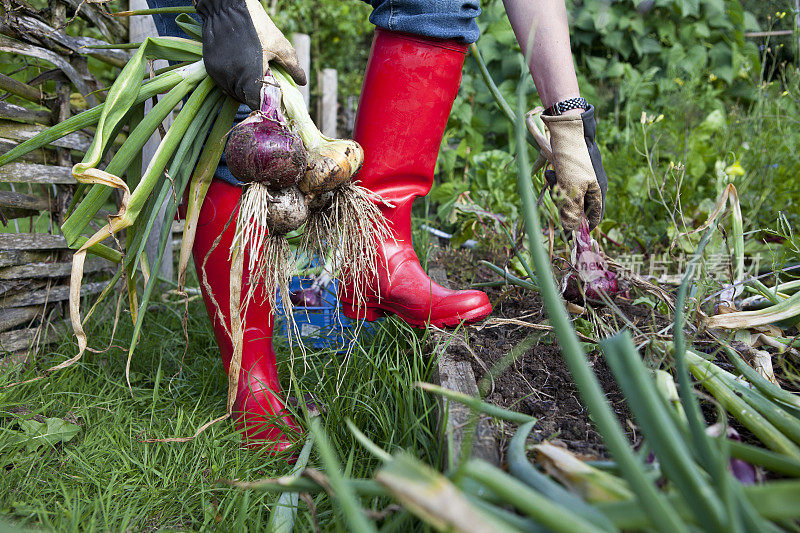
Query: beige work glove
[(581, 180), (239, 41)]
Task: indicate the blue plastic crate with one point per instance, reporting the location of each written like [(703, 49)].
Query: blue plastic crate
[(319, 326)]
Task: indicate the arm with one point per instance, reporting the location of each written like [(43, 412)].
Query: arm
[(545, 23), (543, 33)]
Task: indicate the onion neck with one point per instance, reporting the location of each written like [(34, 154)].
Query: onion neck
[(296, 111), (271, 98)]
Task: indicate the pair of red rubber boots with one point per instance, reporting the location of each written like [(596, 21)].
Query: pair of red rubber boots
[(409, 87)]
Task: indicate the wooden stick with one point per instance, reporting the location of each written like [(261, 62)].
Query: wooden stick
[(23, 90), (774, 33)]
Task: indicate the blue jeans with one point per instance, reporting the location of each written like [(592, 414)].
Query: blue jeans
[(440, 19)]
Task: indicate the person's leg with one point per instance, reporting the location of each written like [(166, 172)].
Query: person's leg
[(410, 83), (258, 398), (439, 19), (165, 22), (542, 31)]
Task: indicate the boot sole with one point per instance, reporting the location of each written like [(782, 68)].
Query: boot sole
[(373, 312)]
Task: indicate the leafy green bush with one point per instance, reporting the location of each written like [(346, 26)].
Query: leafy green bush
[(708, 119), (341, 36), (680, 39)]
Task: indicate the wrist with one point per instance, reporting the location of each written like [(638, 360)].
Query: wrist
[(569, 106)]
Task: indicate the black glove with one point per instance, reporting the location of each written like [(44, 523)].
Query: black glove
[(239, 41)]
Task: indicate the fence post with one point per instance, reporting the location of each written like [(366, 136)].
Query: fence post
[(302, 44), (141, 27), (797, 29), (329, 101)]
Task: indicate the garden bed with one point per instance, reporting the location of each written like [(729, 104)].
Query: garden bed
[(538, 382)]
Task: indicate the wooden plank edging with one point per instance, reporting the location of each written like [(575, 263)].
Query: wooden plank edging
[(458, 376), (49, 295), (32, 241), (25, 339)]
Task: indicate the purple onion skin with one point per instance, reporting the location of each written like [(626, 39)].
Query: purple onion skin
[(743, 471), (306, 298), (263, 150), (592, 269)]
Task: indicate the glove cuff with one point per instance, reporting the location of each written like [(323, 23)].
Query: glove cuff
[(573, 157), (205, 8)]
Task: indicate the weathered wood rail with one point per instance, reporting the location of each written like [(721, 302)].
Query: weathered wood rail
[(48, 81)]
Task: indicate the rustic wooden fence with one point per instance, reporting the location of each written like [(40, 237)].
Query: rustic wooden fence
[(46, 80)]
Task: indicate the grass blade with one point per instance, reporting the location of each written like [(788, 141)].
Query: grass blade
[(342, 493), (284, 512)]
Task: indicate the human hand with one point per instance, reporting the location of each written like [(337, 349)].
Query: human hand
[(581, 181), (239, 41)]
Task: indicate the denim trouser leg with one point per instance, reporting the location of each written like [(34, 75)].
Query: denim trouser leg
[(442, 19), (165, 24)]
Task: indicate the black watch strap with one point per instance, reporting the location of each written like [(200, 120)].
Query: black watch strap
[(559, 108)]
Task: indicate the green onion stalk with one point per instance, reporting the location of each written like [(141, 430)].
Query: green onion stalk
[(142, 194), (342, 225)]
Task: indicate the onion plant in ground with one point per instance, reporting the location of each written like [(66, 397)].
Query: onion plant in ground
[(94, 472)]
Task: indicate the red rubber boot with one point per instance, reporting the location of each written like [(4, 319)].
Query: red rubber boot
[(258, 402), (409, 87)]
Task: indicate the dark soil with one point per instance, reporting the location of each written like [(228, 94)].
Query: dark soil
[(538, 383)]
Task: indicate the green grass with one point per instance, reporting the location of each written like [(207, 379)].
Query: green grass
[(105, 478)]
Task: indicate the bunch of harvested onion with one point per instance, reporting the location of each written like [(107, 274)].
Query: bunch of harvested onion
[(298, 178)]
